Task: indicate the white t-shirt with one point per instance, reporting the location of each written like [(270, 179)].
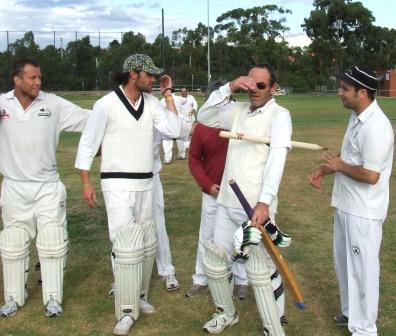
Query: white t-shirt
[(29, 138), (368, 142), (187, 106)]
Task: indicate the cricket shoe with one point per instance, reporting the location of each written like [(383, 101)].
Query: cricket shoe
[(123, 325), (145, 307), (53, 308), (9, 308), (196, 289), (340, 319), (241, 291), (171, 282), (219, 321)]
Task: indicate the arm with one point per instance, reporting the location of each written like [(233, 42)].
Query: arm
[(280, 134), (166, 85), (357, 173), (88, 192), (216, 112), (195, 164), (73, 117)]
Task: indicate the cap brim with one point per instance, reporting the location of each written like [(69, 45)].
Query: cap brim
[(155, 71), (351, 81)]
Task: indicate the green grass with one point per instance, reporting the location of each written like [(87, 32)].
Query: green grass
[(303, 212)]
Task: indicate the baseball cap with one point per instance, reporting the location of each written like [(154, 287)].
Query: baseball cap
[(141, 62), (361, 77)]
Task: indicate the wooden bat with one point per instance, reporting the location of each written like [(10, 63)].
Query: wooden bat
[(280, 263), (264, 140)]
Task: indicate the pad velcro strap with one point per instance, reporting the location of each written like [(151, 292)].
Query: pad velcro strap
[(279, 291)]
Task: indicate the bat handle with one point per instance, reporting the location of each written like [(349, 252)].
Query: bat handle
[(242, 199)]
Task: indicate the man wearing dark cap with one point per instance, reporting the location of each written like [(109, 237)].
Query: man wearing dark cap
[(360, 198), (122, 123)]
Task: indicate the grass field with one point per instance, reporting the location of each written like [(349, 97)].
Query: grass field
[(303, 212)]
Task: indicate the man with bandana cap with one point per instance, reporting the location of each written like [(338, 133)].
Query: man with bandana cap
[(122, 123), (360, 198)]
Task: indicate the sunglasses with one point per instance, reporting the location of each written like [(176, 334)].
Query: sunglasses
[(261, 85)]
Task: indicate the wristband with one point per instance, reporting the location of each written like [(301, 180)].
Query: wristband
[(169, 88), (168, 98)]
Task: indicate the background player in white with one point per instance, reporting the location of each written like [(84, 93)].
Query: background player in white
[(360, 198), (258, 170), (123, 124), (33, 199), (186, 106)]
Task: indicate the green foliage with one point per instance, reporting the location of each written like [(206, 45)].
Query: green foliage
[(342, 34)]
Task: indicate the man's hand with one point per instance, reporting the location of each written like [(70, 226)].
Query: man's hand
[(244, 82), (334, 162), (260, 214), (89, 195), (318, 175), (165, 83), (214, 189)]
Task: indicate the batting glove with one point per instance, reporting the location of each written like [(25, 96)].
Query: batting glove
[(246, 235), (277, 236)]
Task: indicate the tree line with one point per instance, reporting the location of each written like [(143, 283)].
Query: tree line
[(342, 34)]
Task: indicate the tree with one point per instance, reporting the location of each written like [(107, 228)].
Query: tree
[(337, 29)]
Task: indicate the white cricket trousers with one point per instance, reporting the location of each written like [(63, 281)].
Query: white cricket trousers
[(357, 244), (127, 207), (33, 205), (206, 232), (164, 257), (168, 145)]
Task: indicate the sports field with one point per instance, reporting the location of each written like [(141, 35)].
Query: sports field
[(304, 213)]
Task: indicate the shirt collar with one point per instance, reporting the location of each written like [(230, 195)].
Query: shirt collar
[(262, 108), (10, 95), (363, 116)]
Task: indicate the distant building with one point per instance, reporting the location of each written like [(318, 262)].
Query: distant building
[(387, 84)]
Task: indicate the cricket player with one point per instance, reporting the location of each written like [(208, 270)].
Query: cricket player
[(258, 170), (360, 198), (123, 123), (33, 199)]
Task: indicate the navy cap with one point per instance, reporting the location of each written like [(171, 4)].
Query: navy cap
[(361, 77)]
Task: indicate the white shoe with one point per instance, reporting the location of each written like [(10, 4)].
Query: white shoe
[(171, 282), (123, 325), (9, 308), (145, 307), (219, 321), (53, 308)]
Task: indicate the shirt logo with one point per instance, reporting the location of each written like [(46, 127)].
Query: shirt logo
[(44, 113), (355, 250), (4, 115)]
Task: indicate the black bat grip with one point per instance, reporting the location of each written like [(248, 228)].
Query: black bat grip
[(238, 193)]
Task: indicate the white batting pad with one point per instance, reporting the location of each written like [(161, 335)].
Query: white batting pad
[(52, 243), (216, 269), (150, 251), (128, 251), (259, 277), (14, 248)]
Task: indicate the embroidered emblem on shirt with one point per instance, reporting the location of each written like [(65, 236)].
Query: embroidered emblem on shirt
[(355, 250), (4, 115), (44, 113), (61, 204)]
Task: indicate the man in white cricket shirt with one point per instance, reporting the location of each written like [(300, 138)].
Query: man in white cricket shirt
[(123, 123), (360, 198), (33, 199), (258, 170)]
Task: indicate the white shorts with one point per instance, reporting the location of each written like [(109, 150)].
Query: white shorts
[(33, 205), (127, 207)]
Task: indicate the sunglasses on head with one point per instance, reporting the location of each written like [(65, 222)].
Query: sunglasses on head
[(261, 85)]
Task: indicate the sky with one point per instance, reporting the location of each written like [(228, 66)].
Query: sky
[(112, 17)]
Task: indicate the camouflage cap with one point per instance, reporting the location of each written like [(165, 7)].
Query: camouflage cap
[(141, 62)]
